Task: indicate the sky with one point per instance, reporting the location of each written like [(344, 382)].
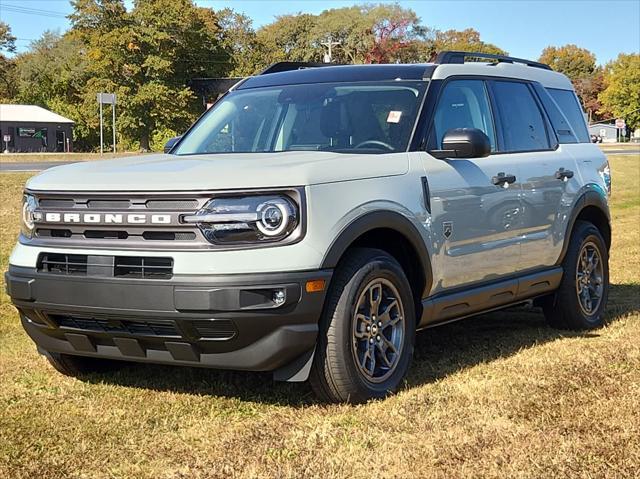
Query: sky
[(523, 28)]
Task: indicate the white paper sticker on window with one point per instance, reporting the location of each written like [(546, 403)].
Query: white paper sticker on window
[(394, 116)]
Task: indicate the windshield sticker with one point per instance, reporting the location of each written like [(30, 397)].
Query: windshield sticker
[(394, 116)]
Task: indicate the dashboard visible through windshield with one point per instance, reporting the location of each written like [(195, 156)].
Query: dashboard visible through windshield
[(343, 117)]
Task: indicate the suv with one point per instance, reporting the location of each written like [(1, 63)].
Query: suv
[(316, 217)]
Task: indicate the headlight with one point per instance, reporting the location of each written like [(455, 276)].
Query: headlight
[(247, 219), (29, 215)]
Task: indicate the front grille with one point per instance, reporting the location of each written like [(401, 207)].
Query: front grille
[(141, 267), (136, 267), (118, 326), (68, 264), (119, 221)]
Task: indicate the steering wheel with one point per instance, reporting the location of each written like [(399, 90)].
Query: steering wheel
[(375, 143)]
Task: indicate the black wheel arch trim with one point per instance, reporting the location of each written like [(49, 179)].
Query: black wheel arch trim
[(381, 219), (591, 195)]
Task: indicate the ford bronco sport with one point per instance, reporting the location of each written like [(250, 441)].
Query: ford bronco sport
[(316, 217)]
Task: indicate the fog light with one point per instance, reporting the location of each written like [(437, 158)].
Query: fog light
[(279, 297)]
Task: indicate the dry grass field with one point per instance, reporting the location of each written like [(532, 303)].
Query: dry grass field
[(500, 395)]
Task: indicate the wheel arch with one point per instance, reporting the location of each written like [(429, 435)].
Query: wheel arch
[(592, 207), (391, 232)]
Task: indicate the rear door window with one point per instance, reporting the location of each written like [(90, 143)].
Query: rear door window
[(569, 105), (522, 125)]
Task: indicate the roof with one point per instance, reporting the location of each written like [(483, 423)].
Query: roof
[(30, 114), (341, 73)]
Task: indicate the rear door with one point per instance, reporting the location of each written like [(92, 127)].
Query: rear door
[(476, 223), (547, 172)]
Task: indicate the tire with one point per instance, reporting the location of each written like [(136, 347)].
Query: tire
[(567, 308), (76, 366), (347, 366)]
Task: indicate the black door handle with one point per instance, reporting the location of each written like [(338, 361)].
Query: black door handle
[(563, 174), (503, 178)]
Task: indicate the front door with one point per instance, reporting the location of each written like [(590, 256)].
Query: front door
[(476, 209)]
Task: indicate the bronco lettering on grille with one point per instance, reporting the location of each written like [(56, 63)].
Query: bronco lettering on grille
[(107, 218)]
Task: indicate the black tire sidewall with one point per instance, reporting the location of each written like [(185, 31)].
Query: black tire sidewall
[(584, 233), (379, 266)]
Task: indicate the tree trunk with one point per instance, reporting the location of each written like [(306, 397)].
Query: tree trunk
[(144, 141)]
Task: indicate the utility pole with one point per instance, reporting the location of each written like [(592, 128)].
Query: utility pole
[(329, 44)]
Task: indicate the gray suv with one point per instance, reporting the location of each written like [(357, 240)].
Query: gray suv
[(316, 217)]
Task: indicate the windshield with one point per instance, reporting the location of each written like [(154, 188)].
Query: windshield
[(343, 117)]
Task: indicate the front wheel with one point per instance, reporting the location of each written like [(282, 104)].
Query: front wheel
[(580, 300), (367, 330)]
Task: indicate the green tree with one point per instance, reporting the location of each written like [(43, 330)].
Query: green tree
[(290, 38), (54, 74), (621, 97), (239, 40), (7, 67), (147, 56), (573, 61), (462, 40)]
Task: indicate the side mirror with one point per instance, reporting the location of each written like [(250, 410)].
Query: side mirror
[(463, 143), (171, 143)]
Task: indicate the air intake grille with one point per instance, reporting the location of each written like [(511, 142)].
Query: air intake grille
[(141, 267), (138, 267), (137, 328), (69, 264)]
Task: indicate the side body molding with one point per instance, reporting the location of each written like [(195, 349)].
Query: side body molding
[(380, 219)]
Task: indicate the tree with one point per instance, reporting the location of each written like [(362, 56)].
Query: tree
[(239, 40), (462, 40), (573, 61), (621, 96), (7, 44), (147, 56), (53, 74), (588, 88), (290, 38)]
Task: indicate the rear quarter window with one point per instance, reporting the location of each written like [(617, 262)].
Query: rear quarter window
[(569, 105)]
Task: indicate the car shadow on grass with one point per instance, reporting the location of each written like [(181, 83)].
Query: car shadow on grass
[(439, 352)]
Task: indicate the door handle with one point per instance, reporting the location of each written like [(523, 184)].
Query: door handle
[(503, 179), (563, 174)]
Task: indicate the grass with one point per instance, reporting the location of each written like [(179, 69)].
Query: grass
[(500, 395)]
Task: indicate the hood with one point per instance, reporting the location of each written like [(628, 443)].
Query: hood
[(164, 172)]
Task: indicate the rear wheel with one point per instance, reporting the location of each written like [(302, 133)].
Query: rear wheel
[(367, 330), (75, 366), (580, 301)]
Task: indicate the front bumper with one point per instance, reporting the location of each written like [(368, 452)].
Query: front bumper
[(227, 322)]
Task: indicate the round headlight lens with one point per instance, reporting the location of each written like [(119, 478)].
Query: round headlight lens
[(274, 217)]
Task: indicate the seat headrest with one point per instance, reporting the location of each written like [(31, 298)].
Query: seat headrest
[(334, 119)]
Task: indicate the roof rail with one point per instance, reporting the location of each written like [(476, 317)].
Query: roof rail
[(288, 66), (448, 57)]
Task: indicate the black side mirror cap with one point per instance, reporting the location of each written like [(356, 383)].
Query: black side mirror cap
[(463, 143), (171, 143)]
